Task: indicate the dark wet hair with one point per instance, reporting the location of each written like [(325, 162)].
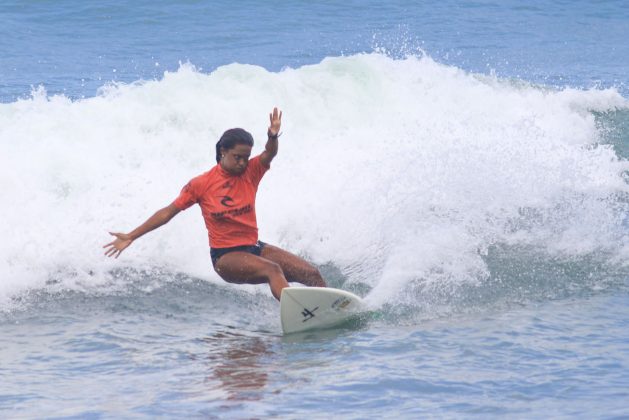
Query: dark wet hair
[(231, 138)]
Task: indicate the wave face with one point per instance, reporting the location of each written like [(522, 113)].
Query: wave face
[(406, 174)]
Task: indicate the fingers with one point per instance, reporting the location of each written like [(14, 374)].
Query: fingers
[(117, 235), (275, 121), (112, 251), (275, 116), (115, 247)]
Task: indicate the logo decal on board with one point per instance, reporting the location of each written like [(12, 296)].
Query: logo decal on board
[(341, 303), (308, 314)]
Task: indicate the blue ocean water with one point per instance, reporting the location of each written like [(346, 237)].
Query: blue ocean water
[(461, 165)]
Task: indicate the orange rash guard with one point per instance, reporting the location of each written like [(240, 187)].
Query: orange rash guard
[(228, 203)]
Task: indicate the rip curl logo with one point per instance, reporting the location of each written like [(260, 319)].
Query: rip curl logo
[(227, 201)]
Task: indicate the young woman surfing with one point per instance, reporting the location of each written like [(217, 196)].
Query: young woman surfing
[(226, 194)]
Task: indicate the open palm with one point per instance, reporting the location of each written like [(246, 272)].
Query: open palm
[(276, 122)]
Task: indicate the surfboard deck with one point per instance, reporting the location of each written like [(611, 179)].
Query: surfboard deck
[(308, 308)]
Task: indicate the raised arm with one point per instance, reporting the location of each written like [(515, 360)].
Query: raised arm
[(270, 150), (123, 240)]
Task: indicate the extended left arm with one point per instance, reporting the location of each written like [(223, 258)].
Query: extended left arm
[(270, 150)]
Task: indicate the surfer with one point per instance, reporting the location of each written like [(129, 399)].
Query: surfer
[(226, 194)]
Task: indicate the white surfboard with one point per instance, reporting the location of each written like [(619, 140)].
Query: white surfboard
[(306, 308)]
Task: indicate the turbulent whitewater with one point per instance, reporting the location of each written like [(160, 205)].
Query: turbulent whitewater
[(401, 173)]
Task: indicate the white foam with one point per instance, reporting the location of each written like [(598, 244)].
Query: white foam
[(392, 169)]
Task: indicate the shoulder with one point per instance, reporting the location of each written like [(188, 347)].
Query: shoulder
[(258, 163), (192, 191), (200, 182), (255, 170), (203, 177)]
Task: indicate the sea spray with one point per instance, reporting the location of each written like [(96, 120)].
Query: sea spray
[(396, 171)]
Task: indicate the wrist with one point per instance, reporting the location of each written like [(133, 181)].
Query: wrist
[(133, 235), (273, 136)]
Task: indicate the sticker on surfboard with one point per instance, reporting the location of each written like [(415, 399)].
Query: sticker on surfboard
[(307, 308)]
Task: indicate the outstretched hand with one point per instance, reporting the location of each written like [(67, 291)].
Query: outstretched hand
[(276, 122), (115, 248)]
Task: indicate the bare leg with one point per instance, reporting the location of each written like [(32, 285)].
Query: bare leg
[(242, 267), (295, 269)]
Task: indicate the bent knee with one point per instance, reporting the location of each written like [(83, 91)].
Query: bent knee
[(312, 272), (312, 276), (271, 269)]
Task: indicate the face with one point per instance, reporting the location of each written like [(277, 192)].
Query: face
[(235, 160)]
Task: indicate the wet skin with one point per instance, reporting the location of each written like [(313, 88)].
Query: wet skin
[(236, 159)]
